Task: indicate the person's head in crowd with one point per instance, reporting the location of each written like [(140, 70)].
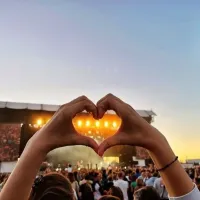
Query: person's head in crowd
[(155, 174), (110, 178), (109, 171), (97, 177), (71, 177), (103, 172), (133, 178), (64, 172), (120, 175), (197, 170), (117, 192), (108, 186), (86, 192), (146, 193), (87, 177), (108, 197), (198, 186), (52, 187), (137, 171), (139, 184), (3, 177), (153, 171), (143, 173), (45, 168), (76, 176), (197, 181), (126, 172), (114, 176), (130, 171), (191, 173), (148, 173)]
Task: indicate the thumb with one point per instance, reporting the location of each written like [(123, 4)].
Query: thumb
[(87, 141), (107, 143)]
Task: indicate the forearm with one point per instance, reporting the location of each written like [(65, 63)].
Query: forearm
[(21, 180), (175, 178)]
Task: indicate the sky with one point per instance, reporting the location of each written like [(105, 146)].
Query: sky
[(52, 51)]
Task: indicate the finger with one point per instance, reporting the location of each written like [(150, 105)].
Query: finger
[(87, 105), (109, 103), (108, 96), (87, 141), (107, 143), (81, 98)]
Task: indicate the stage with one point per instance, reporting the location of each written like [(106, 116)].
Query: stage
[(19, 121)]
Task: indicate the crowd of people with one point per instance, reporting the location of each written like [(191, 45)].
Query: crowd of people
[(9, 142), (133, 183), (93, 184)]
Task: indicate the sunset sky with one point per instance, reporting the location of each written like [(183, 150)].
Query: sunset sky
[(147, 54)]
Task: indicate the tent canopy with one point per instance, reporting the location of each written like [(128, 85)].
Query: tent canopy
[(53, 108)]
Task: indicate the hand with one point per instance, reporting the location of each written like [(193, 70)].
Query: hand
[(134, 129), (59, 131)]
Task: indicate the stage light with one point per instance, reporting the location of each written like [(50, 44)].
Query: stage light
[(87, 123), (114, 124), (106, 124), (79, 123), (39, 122), (35, 125), (97, 123)]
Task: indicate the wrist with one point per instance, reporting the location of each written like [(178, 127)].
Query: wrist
[(159, 149), (162, 154), (157, 141), (38, 145)]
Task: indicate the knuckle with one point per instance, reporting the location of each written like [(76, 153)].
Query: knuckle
[(110, 95), (62, 107), (83, 97)]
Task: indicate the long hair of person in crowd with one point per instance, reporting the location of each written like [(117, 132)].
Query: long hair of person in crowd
[(52, 187), (86, 192), (146, 193), (117, 192), (140, 184), (76, 176), (71, 177), (74, 183), (108, 197)]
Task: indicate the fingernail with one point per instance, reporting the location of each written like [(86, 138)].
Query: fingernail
[(100, 154)]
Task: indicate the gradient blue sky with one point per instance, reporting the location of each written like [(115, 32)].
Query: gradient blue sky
[(146, 53)]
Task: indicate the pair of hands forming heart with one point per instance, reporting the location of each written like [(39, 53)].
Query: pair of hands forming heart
[(59, 131)]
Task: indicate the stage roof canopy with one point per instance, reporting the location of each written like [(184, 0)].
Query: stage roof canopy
[(53, 108)]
